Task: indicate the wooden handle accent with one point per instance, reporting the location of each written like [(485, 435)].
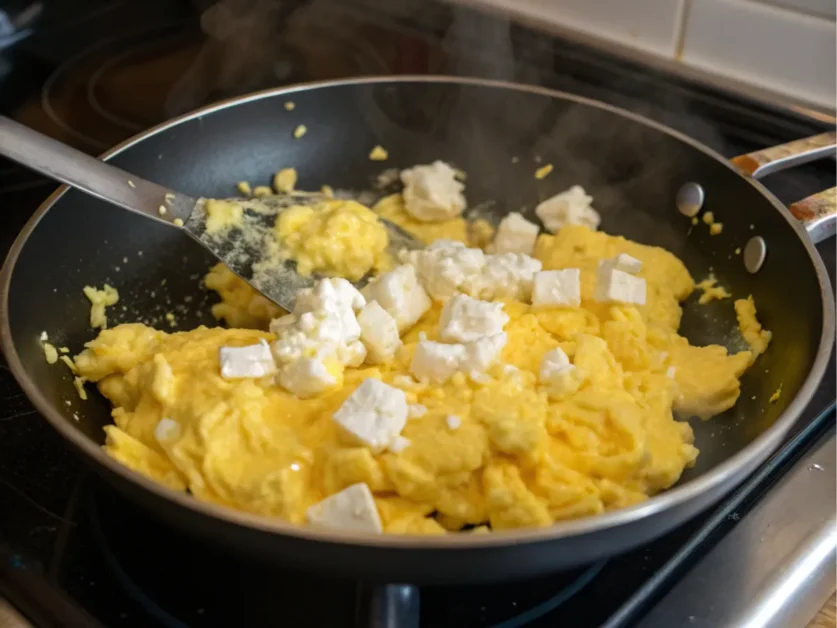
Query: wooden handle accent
[(817, 213)]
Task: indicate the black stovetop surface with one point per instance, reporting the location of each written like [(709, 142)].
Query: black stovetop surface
[(93, 72)]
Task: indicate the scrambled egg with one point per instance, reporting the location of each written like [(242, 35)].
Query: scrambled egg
[(757, 337), (711, 290), (715, 228), (99, 300), (519, 456), (335, 238), (222, 215)]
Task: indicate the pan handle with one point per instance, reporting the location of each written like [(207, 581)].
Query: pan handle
[(817, 213), (777, 158)]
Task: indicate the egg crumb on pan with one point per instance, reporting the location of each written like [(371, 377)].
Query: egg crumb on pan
[(543, 171), (99, 300), (465, 388), (711, 290), (284, 181), (50, 352), (715, 228)]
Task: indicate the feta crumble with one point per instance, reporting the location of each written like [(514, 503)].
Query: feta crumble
[(437, 362), (447, 267), (557, 374), (319, 339), (378, 333), (374, 414), (432, 192), (351, 509), (571, 207), (401, 295), (465, 319), (249, 361), (557, 288), (515, 235), (617, 286)]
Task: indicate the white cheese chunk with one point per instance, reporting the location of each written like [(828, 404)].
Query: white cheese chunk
[(399, 444), (623, 262), (352, 354), (401, 295), (351, 509), (374, 414), (335, 290), (515, 234), (432, 192), (617, 286), (319, 339), (435, 361), (505, 276), (557, 374), (250, 361), (166, 430), (571, 207), (448, 267), (307, 377), (416, 411), (465, 319), (557, 288), (482, 353), (453, 421), (278, 325), (670, 372), (554, 361), (378, 333)]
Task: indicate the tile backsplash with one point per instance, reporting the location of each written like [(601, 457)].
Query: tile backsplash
[(784, 51), (786, 47)]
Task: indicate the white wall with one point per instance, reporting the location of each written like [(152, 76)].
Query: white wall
[(784, 46)]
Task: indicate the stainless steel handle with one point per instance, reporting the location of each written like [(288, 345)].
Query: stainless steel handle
[(817, 213), (64, 163), (776, 158)]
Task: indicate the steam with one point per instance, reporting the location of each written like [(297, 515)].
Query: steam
[(250, 44), (238, 56)]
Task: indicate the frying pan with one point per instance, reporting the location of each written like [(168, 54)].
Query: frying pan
[(633, 167)]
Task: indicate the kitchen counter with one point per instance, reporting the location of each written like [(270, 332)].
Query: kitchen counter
[(827, 617)]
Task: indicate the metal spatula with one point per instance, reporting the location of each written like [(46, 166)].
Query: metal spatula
[(278, 282)]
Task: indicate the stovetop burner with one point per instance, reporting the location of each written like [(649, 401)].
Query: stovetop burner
[(92, 73), (150, 563)]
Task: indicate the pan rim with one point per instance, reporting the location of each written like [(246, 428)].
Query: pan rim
[(750, 456)]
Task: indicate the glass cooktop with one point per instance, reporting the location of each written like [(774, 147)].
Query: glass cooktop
[(94, 72)]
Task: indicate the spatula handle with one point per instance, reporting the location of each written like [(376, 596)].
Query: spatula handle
[(73, 167)]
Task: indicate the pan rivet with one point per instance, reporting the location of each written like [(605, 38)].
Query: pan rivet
[(690, 199), (754, 253)]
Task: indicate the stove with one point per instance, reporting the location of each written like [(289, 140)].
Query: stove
[(73, 553)]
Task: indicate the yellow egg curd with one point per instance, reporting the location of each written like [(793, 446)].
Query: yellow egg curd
[(520, 456), (334, 238)]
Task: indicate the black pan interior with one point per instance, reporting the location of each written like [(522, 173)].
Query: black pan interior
[(632, 170)]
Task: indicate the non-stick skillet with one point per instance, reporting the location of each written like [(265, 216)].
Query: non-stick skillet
[(633, 167)]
